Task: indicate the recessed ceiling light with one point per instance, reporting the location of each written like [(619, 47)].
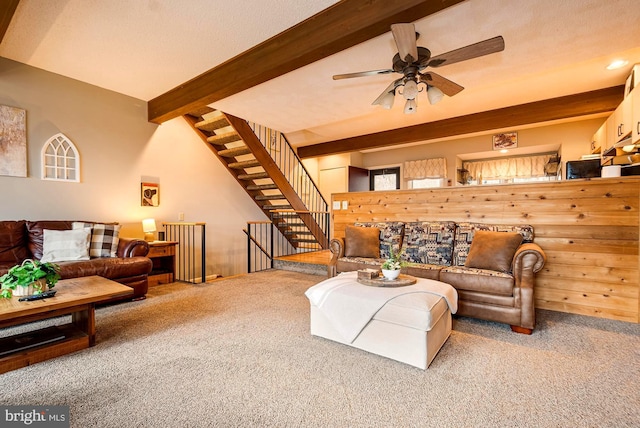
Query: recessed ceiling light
[(619, 63)]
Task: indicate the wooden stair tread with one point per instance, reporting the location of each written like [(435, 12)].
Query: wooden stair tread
[(269, 197), (253, 176), (222, 139), (261, 187), (297, 232), (200, 111), (285, 214), (236, 151), (288, 224), (212, 124), (244, 164), (270, 207)]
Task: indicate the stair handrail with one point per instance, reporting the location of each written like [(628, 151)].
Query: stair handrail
[(287, 160), (269, 242)]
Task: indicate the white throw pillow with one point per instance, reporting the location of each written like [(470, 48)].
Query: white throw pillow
[(65, 245)]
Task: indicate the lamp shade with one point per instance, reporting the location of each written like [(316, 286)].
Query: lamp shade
[(434, 94), (410, 107), (149, 225)]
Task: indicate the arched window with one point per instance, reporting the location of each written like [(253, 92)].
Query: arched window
[(60, 159)]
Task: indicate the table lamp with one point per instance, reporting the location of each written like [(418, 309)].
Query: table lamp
[(149, 228)]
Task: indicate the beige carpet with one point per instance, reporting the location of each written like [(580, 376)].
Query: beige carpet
[(238, 353)]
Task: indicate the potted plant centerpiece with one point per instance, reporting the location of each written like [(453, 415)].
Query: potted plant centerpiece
[(391, 266), (31, 277)]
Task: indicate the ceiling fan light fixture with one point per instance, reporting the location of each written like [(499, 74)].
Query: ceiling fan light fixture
[(410, 90), (434, 94), (411, 62), (410, 107)]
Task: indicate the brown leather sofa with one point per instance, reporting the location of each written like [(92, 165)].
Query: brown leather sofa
[(494, 281), (21, 239)]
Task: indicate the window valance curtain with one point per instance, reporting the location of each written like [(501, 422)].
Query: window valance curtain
[(425, 168), (525, 166)]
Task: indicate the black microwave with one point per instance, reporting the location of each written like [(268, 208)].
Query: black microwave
[(583, 169)]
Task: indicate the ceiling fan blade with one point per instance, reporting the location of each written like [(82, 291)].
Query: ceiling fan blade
[(405, 37), (390, 88), (362, 74), (448, 87), (475, 50)]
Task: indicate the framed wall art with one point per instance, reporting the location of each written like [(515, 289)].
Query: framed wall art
[(13, 141), (150, 193), (508, 140)]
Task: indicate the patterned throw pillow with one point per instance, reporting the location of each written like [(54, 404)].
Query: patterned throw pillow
[(65, 245), (104, 238), (465, 232), (429, 242)]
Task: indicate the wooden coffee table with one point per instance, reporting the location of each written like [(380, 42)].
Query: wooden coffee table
[(77, 297)]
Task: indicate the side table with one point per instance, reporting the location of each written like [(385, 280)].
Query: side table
[(163, 256)]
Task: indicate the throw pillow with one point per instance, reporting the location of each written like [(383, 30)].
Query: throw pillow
[(362, 242), (391, 234), (493, 250), (65, 245), (104, 238)]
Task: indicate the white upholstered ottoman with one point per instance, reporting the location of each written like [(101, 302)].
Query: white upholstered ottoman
[(407, 324)]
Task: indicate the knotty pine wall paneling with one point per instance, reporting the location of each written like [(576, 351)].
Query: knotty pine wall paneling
[(589, 230)]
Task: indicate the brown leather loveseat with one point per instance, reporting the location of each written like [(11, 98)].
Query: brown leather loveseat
[(22, 239), (492, 267)]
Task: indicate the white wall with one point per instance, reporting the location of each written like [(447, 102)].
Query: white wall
[(118, 148)]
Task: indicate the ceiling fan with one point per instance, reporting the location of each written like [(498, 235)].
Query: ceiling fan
[(412, 60)]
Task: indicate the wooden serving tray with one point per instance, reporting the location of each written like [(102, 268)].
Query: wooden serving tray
[(381, 281)]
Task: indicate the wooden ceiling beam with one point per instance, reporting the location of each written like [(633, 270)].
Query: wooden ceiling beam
[(7, 9), (586, 103), (341, 26)]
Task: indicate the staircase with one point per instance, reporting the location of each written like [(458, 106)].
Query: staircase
[(266, 166)]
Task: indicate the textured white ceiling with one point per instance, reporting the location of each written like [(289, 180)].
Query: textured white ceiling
[(144, 48)]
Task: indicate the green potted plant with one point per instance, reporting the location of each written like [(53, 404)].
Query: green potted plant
[(391, 266), (31, 277)]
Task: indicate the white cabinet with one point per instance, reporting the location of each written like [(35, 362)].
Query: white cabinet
[(635, 114), (619, 123), (599, 140)]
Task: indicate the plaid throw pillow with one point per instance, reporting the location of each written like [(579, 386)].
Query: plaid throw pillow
[(104, 238)]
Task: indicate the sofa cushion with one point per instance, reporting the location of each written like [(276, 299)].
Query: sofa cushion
[(428, 242), (104, 238), (493, 250), (480, 280), (369, 261), (13, 242), (362, 242), (391, 234), (422, 270), (65, 245), (465, 232), (107, 267)]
